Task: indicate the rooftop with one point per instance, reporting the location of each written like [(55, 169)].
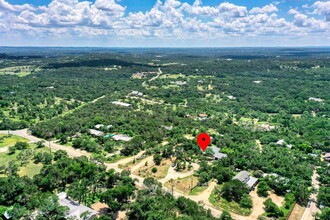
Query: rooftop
[(216, 153), (121, 104), (121, 137), (315, 99), (98, 126), (96, 132), (244, 177), (75, 209), (137, 93)]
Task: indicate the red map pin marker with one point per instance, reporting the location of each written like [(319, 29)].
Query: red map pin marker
[(203, 140)]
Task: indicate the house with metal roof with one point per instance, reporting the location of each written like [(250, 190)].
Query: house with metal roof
[(121, 137), (124, 104), (98, 126), (245, 177), (216, 153), (96, 133), (137, 93), (76, 210)]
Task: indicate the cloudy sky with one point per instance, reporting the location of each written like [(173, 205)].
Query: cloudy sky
[(164, 23)]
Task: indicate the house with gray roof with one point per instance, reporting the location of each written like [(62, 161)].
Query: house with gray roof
[(76, 210), (137, 93), (96, 133), (121, 137), (245, 177), (216, 153)]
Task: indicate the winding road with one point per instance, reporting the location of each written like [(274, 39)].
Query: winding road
[(72, 152)]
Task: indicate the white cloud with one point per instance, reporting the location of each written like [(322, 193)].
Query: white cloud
[(323, 8), (232, 10), (167, 19), (266, 9), (7, 6)]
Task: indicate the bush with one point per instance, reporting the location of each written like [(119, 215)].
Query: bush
[(157, 159), (246, 202), (21, 145), (60, 154), (225, 215), (154, 170), (262, 189), (234, 190), (272, 209)]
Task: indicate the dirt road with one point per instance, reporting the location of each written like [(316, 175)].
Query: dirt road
[(312, 209), (139, 180), (172, 174)]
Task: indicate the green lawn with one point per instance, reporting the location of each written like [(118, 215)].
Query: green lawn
[(230, 206), (5, 157), (115, 158), (30, 170), (197, 190), (11, 140)]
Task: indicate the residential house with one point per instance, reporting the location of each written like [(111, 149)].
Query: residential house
[(76, 210), (96, 133), (98, 126), (167, 127), (216, 153), (280, 142), (179, 83), (202, 116), (137, 93), (121, 137), (121, 104), (245, 177), (315, 99)]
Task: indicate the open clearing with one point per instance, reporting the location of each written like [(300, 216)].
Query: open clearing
[(20, 71), (145, 168), (183, 185), (10, 140), (30, 169), (297, 212), (172, 76)]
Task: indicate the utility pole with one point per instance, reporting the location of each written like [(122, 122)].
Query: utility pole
[(172, 185)]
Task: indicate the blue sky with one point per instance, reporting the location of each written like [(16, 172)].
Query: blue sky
[(164, 23)]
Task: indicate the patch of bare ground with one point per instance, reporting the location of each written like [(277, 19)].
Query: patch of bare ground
[(150, 169), (183, 185), (297, 212)]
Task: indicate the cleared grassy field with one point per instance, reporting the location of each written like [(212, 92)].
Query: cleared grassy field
[(230, 206), (162, 170), (20, 71), (11, 140), (184, 185), (30, 170), (197, 190)]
